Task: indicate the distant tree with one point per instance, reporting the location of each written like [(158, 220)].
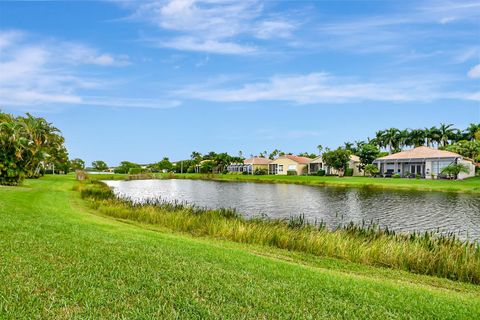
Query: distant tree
[(307, 155), (469, 133), (274, 154), (320, 149), (469, 149), (196, 156), (337, 159), (367, 154), (125, 167), (99, 165), (207, 166), (371, 169), (77, 164), (416, 137), (446, 133), (164, 164)]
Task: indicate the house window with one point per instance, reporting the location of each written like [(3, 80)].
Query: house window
[(280, 168), (292, 167)]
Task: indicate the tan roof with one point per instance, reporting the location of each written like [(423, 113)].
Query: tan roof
[(421, 153), (297, 159), (257, 160), (319, 159)]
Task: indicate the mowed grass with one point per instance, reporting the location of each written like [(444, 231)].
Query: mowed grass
[(59, 260), (470, 185)]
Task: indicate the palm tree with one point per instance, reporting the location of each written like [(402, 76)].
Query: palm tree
[(469, 133), (392, 139), (195, 155), (432, 135), (380, 139), (320, 148), (416, 137), (446, 133)]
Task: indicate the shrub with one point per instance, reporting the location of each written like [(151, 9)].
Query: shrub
[(321, 172), (348, 172), (135, 170), (371, 169), (418, 176), (260, 172), (477, 171), (291, 173), (396, 175)]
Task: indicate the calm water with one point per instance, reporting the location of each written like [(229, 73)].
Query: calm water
[(399, 210)]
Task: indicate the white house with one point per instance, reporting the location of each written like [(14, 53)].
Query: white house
[(424, 161)]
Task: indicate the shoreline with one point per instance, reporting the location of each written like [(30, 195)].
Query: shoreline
[(469, 186)]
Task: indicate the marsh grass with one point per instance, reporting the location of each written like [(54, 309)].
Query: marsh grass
[(421, 253)]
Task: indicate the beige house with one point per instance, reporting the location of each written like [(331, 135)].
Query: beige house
[(250, 165), (286, 163), (317, 164), (423, 161)]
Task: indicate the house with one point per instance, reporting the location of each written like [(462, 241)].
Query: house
[(286, 163), (317, 164), (422, 161), (250, 165)]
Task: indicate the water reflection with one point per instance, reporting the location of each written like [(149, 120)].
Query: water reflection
[(398, 210)]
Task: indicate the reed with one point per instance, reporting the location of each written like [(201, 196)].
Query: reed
[(421, 253)]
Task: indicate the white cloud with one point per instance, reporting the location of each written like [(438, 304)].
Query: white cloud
[(317, 88), (41, 73), (274, 29), (211, 25), (474, 72), (210, 46)]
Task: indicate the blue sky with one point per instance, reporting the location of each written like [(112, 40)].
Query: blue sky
[(139, 80)]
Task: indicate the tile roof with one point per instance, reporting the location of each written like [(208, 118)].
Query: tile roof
[(421, 153), (301, 160), (257, 160)]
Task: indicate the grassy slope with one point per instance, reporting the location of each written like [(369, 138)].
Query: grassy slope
[(471, 185), (60, 260)]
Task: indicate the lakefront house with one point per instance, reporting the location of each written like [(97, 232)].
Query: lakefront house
[(317, 164), (283, 164), (422, 161), (250, 165)]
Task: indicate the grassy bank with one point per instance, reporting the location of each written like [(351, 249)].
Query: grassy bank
[(471, 185), (423, 254), (61, 260)]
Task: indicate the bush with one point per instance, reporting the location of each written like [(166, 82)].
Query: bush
[(135, 170), (418, 176), (291, 173), (396, 175), (371, 169), (348, 172), (321, 172), (477, 171), (260, 172)]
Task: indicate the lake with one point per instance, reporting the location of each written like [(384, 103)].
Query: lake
[(403, 211)]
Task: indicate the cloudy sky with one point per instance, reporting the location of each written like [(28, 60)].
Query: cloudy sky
[(139, 80)]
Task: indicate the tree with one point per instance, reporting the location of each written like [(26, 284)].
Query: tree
[(337, 159), (371, 169), (469, 149), (319, 148), (164, 164), (416, 137), (446, 133), (26, 144), (367, 154), (469, 133), (433, 136), (454, 170), (99, 165), (125, 167), (207, 166), (196, 156), (77, 164)]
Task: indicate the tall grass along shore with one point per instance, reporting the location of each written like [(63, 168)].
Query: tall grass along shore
[(426, 254)]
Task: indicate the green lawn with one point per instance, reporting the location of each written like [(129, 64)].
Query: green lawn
[(471, 185), (59, 259)]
